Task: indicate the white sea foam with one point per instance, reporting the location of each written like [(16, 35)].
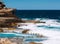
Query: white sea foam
[(53, 33), (51, 29)]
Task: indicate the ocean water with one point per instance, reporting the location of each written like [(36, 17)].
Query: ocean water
[(50, 29), (5, 35), (52, 14)]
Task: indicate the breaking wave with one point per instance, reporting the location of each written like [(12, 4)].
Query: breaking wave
[(51, 29)]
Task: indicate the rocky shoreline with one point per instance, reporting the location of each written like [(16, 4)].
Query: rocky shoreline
[(14, 41), (9, 23)]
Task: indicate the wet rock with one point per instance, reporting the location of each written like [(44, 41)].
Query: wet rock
[(25, 31), (34, 43)]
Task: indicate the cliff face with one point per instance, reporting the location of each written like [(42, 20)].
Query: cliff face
[(7, 16)]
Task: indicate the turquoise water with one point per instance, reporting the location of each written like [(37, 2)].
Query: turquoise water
[(34, 39), (3, 35), (49, 27), (7, 35)]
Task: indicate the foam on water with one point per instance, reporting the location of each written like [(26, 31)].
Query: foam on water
[(51, 29)]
